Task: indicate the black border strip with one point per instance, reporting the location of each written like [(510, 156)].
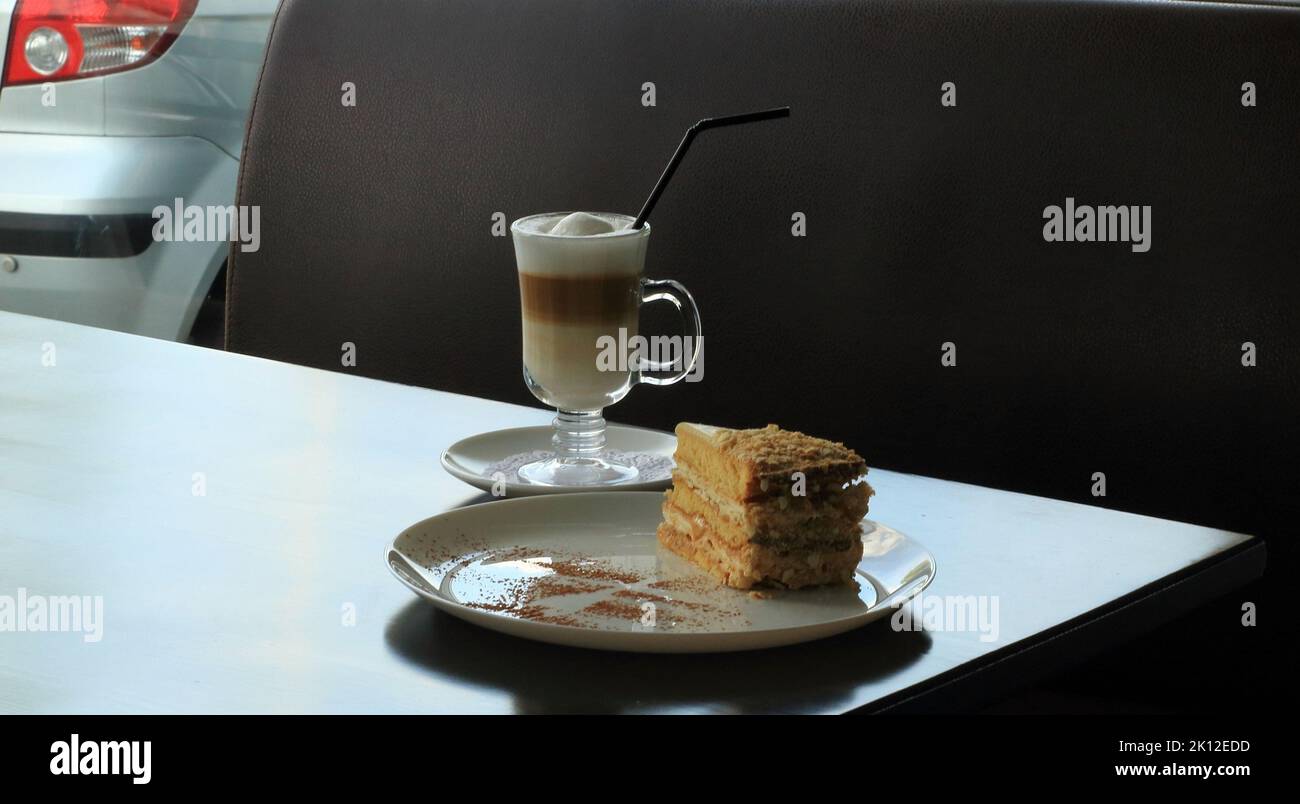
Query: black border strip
[(77, 236)]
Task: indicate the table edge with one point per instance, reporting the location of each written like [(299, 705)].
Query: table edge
[(1072, 641)]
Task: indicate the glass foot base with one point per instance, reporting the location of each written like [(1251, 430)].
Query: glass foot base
[(577, 472)]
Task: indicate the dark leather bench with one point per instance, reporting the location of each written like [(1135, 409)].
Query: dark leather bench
[(924, 222)]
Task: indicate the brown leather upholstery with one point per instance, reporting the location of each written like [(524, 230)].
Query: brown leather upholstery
[(924, 223)]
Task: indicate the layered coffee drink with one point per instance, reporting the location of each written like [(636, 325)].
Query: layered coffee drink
[(579, 281), (580, 291), (580, 288)]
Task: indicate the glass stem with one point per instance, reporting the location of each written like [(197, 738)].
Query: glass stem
[(579, 435)]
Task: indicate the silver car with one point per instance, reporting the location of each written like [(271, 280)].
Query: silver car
[(108, 111)]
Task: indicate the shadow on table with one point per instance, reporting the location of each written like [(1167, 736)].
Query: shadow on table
[(818, 676), (477, 499)]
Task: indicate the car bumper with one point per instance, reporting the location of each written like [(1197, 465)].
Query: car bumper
[(71, 211)]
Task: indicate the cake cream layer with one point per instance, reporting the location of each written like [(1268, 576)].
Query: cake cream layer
[(758, 463), (782, 510), (789, 528), (747, 565)]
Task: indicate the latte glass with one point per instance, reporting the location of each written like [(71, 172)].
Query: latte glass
[(581, 297)]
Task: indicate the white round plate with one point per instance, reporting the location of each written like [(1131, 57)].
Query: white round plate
[(586, 570), (471, 458)]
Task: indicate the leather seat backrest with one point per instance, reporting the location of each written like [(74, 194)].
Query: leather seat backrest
[(924, 221)]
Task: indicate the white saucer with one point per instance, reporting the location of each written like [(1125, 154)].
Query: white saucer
[(586, 570), (470, 459)]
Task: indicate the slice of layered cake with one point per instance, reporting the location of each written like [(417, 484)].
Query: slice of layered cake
[(765, 507)]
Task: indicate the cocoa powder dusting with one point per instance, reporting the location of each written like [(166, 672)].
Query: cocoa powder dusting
[(613, 608), (593, 571), (660, 600), (526, 597)]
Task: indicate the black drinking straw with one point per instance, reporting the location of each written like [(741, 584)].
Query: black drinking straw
[(703, 125)]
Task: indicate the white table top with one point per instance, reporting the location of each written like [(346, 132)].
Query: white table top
[(233, 600)]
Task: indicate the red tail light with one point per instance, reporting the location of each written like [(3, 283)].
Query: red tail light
[(54, 40)]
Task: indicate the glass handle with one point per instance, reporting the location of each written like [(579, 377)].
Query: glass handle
[(653, 290)]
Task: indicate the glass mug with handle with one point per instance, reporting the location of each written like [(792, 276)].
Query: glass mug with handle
[(581, 289)]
